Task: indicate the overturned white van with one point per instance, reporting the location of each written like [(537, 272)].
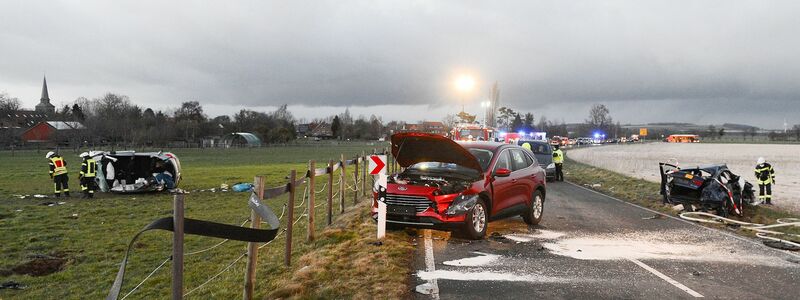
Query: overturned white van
[(136, 172)]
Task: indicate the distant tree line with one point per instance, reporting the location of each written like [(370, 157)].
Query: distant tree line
[(345, 127), (114, 120)]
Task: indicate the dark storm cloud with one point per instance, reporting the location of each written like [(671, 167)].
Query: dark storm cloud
[(727, 55)]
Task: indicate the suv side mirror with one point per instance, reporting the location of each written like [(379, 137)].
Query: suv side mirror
[(502, 172)]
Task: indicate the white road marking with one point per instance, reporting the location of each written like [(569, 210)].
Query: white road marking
[(430, 264), (666, 278)]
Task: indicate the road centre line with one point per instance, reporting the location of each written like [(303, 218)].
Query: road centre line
[(666, 278), (430, 264)]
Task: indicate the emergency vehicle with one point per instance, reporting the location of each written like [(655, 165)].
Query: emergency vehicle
[(471, 132)]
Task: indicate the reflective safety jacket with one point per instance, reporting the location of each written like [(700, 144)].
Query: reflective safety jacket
[(88, 168), (57, 166), (765, 174), (558, 157)]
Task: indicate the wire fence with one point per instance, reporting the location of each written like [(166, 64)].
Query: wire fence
[(350, 180)]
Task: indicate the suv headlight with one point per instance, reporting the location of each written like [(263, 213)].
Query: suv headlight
[(461, 205), (551, 166)]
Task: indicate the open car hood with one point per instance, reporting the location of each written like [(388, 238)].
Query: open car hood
[(414, 147)]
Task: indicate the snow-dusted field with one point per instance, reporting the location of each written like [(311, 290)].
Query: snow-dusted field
[(641, 161)]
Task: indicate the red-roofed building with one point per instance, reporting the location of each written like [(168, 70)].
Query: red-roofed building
[(47, 131)]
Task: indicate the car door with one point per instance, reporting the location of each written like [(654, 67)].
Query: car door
[(521, 178), (502, 187)]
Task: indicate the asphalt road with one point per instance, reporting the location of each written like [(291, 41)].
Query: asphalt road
[(591, 246)]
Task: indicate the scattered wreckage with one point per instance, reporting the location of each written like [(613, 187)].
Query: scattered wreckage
[(706, 188), (136, 172)]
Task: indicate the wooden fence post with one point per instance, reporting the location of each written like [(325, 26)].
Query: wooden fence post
[(364, 174), (311, 196), (342, 186), (177, 248), (290, 220), (355, 181), (330, 192), (252, 248)]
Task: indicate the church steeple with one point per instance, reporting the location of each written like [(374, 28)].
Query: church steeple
[(45, 95), (44, 105)]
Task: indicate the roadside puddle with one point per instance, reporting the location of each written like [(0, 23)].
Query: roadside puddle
[(539, 234)]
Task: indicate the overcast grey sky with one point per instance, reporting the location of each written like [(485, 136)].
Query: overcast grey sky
[(649, 61)]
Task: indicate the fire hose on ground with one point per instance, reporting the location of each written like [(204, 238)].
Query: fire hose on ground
[(765, 232)]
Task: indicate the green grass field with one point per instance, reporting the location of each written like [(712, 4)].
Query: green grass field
[(93, 243)]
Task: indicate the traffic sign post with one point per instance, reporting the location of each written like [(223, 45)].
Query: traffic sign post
[(382, 178), (377, 168)]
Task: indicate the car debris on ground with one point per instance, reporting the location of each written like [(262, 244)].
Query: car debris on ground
[(12, 285)]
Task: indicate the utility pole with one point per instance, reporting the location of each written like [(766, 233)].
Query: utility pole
[(494, 103)]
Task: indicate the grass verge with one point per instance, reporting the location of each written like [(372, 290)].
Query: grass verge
[(71, 250), (348, 262), (646, 193)]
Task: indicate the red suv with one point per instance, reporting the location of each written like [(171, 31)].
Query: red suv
[(460, 186)]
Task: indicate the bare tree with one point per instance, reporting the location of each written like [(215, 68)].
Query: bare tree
[(753, 132), (8, 104), (505, 118), (190, 115), (711, 133), (450, 121)]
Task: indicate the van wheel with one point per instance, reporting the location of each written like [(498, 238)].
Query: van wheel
[(477, 221), (534, 214)]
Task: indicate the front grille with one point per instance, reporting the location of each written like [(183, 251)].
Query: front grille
[(420, 203)]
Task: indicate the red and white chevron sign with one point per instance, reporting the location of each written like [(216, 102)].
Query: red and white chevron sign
[(377, 164)]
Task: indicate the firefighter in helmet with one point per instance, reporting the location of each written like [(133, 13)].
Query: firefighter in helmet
[(87, 175), (58, 172), (765, 176), (558, 160)]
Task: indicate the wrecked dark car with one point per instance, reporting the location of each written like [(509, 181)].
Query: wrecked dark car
[(136, 172), (707, 188), (460, 186)]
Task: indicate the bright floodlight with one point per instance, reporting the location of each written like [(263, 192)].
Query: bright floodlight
[(465, 83)]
